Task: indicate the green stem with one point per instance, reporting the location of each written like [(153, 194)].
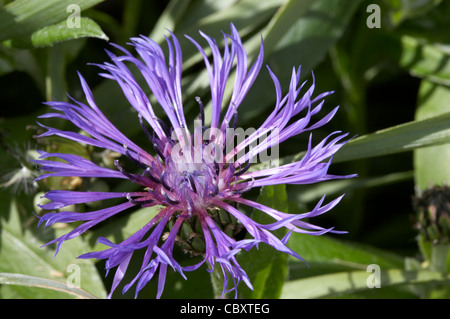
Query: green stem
[(217, 281)]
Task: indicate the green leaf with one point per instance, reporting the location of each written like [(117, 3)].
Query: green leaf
[(59, 32), (401, 138), (282, 22), (168, 20), (21, 253), (336, 284), (23, 17), (397, 139), (214, 17), (265, 266), (431, 163), (32, 281), (425, 60), (308, 193), (440, 257), (329, 256), (407, 9), (337, 252)]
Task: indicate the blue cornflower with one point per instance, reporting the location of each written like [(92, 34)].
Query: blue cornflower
[(191, 176)]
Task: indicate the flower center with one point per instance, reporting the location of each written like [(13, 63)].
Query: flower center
[(190, 182), (190, 177)]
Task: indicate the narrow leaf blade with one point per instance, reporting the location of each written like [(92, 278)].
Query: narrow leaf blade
[(33, 281)]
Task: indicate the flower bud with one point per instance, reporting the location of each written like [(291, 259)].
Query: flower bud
[(433, 214)]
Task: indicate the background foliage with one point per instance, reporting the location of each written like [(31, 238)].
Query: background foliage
[(391, 82)]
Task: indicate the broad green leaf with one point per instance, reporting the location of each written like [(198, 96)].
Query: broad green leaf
[(23, 17), (336, 284), (265, 266), (21, 253), (431, 164), (59, 32), (51, 284), (332, 251)]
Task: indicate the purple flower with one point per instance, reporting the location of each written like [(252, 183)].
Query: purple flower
[(192, 176)]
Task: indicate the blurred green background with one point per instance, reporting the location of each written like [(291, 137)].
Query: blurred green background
[(388, 63)]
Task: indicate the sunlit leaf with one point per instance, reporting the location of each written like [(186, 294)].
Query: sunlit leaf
[(59, 32), (408, 9), (21, 253), (323, 249), (23, 17), (426, 60), (336, 284), (432, 163), (51, 284), (397, 139)]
